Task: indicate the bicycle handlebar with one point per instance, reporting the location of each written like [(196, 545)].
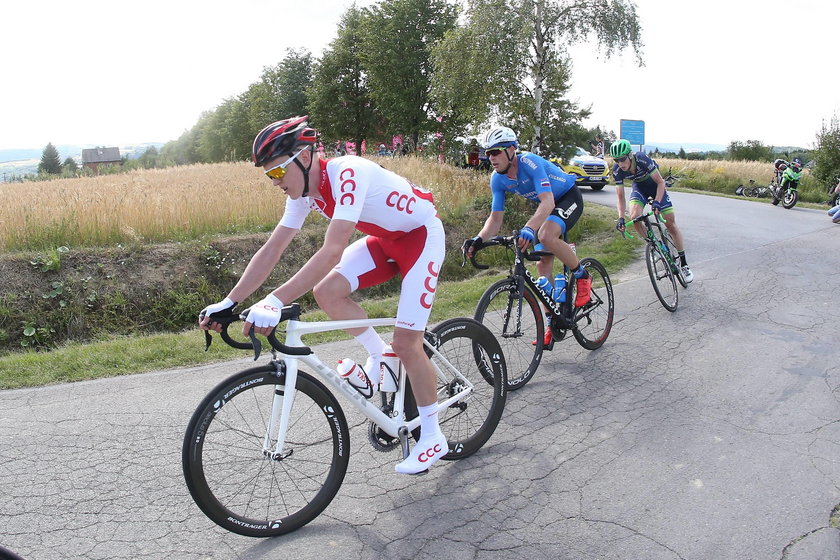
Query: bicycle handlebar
[(643, 217), (503, 241), (227, 317)]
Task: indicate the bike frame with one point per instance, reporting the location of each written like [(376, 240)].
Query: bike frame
[(289, 364), (659, 242)]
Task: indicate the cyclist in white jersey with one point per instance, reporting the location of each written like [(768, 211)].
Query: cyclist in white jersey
[(404, 236)]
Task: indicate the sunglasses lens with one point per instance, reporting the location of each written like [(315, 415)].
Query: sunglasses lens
[(276, 173), (622, 158), (493, 152)]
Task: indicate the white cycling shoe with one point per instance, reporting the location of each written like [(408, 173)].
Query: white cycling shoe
[(426, 453), (687, 273)]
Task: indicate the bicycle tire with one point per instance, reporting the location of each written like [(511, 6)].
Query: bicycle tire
[(790, 198), (522, 347), (593, 321), (474, 351), (750, 192), (662, 278), (675, 255), (229, 476)]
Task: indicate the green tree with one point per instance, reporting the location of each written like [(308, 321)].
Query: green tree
[(516, 68), (396, 41), (681, 153), (50, 161), (340, 103), (750, 150), (70, 165), (281, 91), (149, 158), (826, 153)]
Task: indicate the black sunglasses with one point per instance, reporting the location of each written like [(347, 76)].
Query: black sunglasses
[(494, 151), (620, 159)]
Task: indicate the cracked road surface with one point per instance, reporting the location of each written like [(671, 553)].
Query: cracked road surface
[(709, 433)]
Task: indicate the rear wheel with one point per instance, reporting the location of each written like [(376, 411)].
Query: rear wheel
[(662, 278), (517, 322), (469, 355), (775, 195), (675, 257), (593, 321)]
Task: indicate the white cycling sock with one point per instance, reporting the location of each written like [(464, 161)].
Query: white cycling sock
[(372, 342)]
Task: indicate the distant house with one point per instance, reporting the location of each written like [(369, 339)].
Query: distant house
[(94, 157)]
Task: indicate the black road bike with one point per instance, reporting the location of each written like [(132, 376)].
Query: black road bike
[(512, 309)]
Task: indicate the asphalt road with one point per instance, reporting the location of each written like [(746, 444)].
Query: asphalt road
[(709, 433)]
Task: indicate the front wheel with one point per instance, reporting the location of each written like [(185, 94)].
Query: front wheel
[(662, 277), (231, 470), (596, 187), (790, 198), (467, 354), (516, 320), (594, 320)]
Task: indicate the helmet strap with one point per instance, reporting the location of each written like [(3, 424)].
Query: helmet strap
[(305, 171), (510, 161)]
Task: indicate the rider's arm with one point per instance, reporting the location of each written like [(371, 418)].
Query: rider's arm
[(545, 208), (320, 264), (262, 263), (621, 204), (492, 225)]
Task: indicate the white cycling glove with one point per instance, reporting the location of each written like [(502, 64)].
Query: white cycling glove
[(266, 312), (226, 303)]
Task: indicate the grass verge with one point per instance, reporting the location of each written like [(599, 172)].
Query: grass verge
[(128, 355)]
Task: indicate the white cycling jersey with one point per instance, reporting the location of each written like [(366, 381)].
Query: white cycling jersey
[(404, 234), (378, 201)]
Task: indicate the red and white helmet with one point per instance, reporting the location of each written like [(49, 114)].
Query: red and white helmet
[(281, 138)]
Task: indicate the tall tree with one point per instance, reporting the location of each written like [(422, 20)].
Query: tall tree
[(339, 99), (50, 160), (281, 91), (516, 62), (396, 52), (827, 152)]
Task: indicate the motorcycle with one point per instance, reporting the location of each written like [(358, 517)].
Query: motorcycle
[(787, 195)]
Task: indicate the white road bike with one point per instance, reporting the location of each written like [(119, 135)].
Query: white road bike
[(267, 449)]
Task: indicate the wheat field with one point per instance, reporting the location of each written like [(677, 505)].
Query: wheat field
[(178, 203)]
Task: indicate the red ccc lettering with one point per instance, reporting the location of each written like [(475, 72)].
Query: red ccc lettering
[(401, 202), (347, 187)]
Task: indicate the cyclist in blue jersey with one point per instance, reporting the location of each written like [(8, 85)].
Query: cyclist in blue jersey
[(647, 183), (558, 200)]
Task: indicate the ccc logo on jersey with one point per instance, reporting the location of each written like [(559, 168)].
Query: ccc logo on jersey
[(401, 202), (347, 187)]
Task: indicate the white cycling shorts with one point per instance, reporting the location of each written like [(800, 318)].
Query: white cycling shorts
[(417, 257)]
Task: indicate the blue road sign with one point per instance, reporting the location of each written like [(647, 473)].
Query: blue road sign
[(633, 131)]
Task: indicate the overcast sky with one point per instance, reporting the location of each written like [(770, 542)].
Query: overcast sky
[(117, 73)]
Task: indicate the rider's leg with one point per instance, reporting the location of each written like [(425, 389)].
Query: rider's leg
[(550, 235), (636, 209), (673, 229)]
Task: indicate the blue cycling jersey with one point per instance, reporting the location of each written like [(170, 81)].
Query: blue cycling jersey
[(645, 167), (534, 175)]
